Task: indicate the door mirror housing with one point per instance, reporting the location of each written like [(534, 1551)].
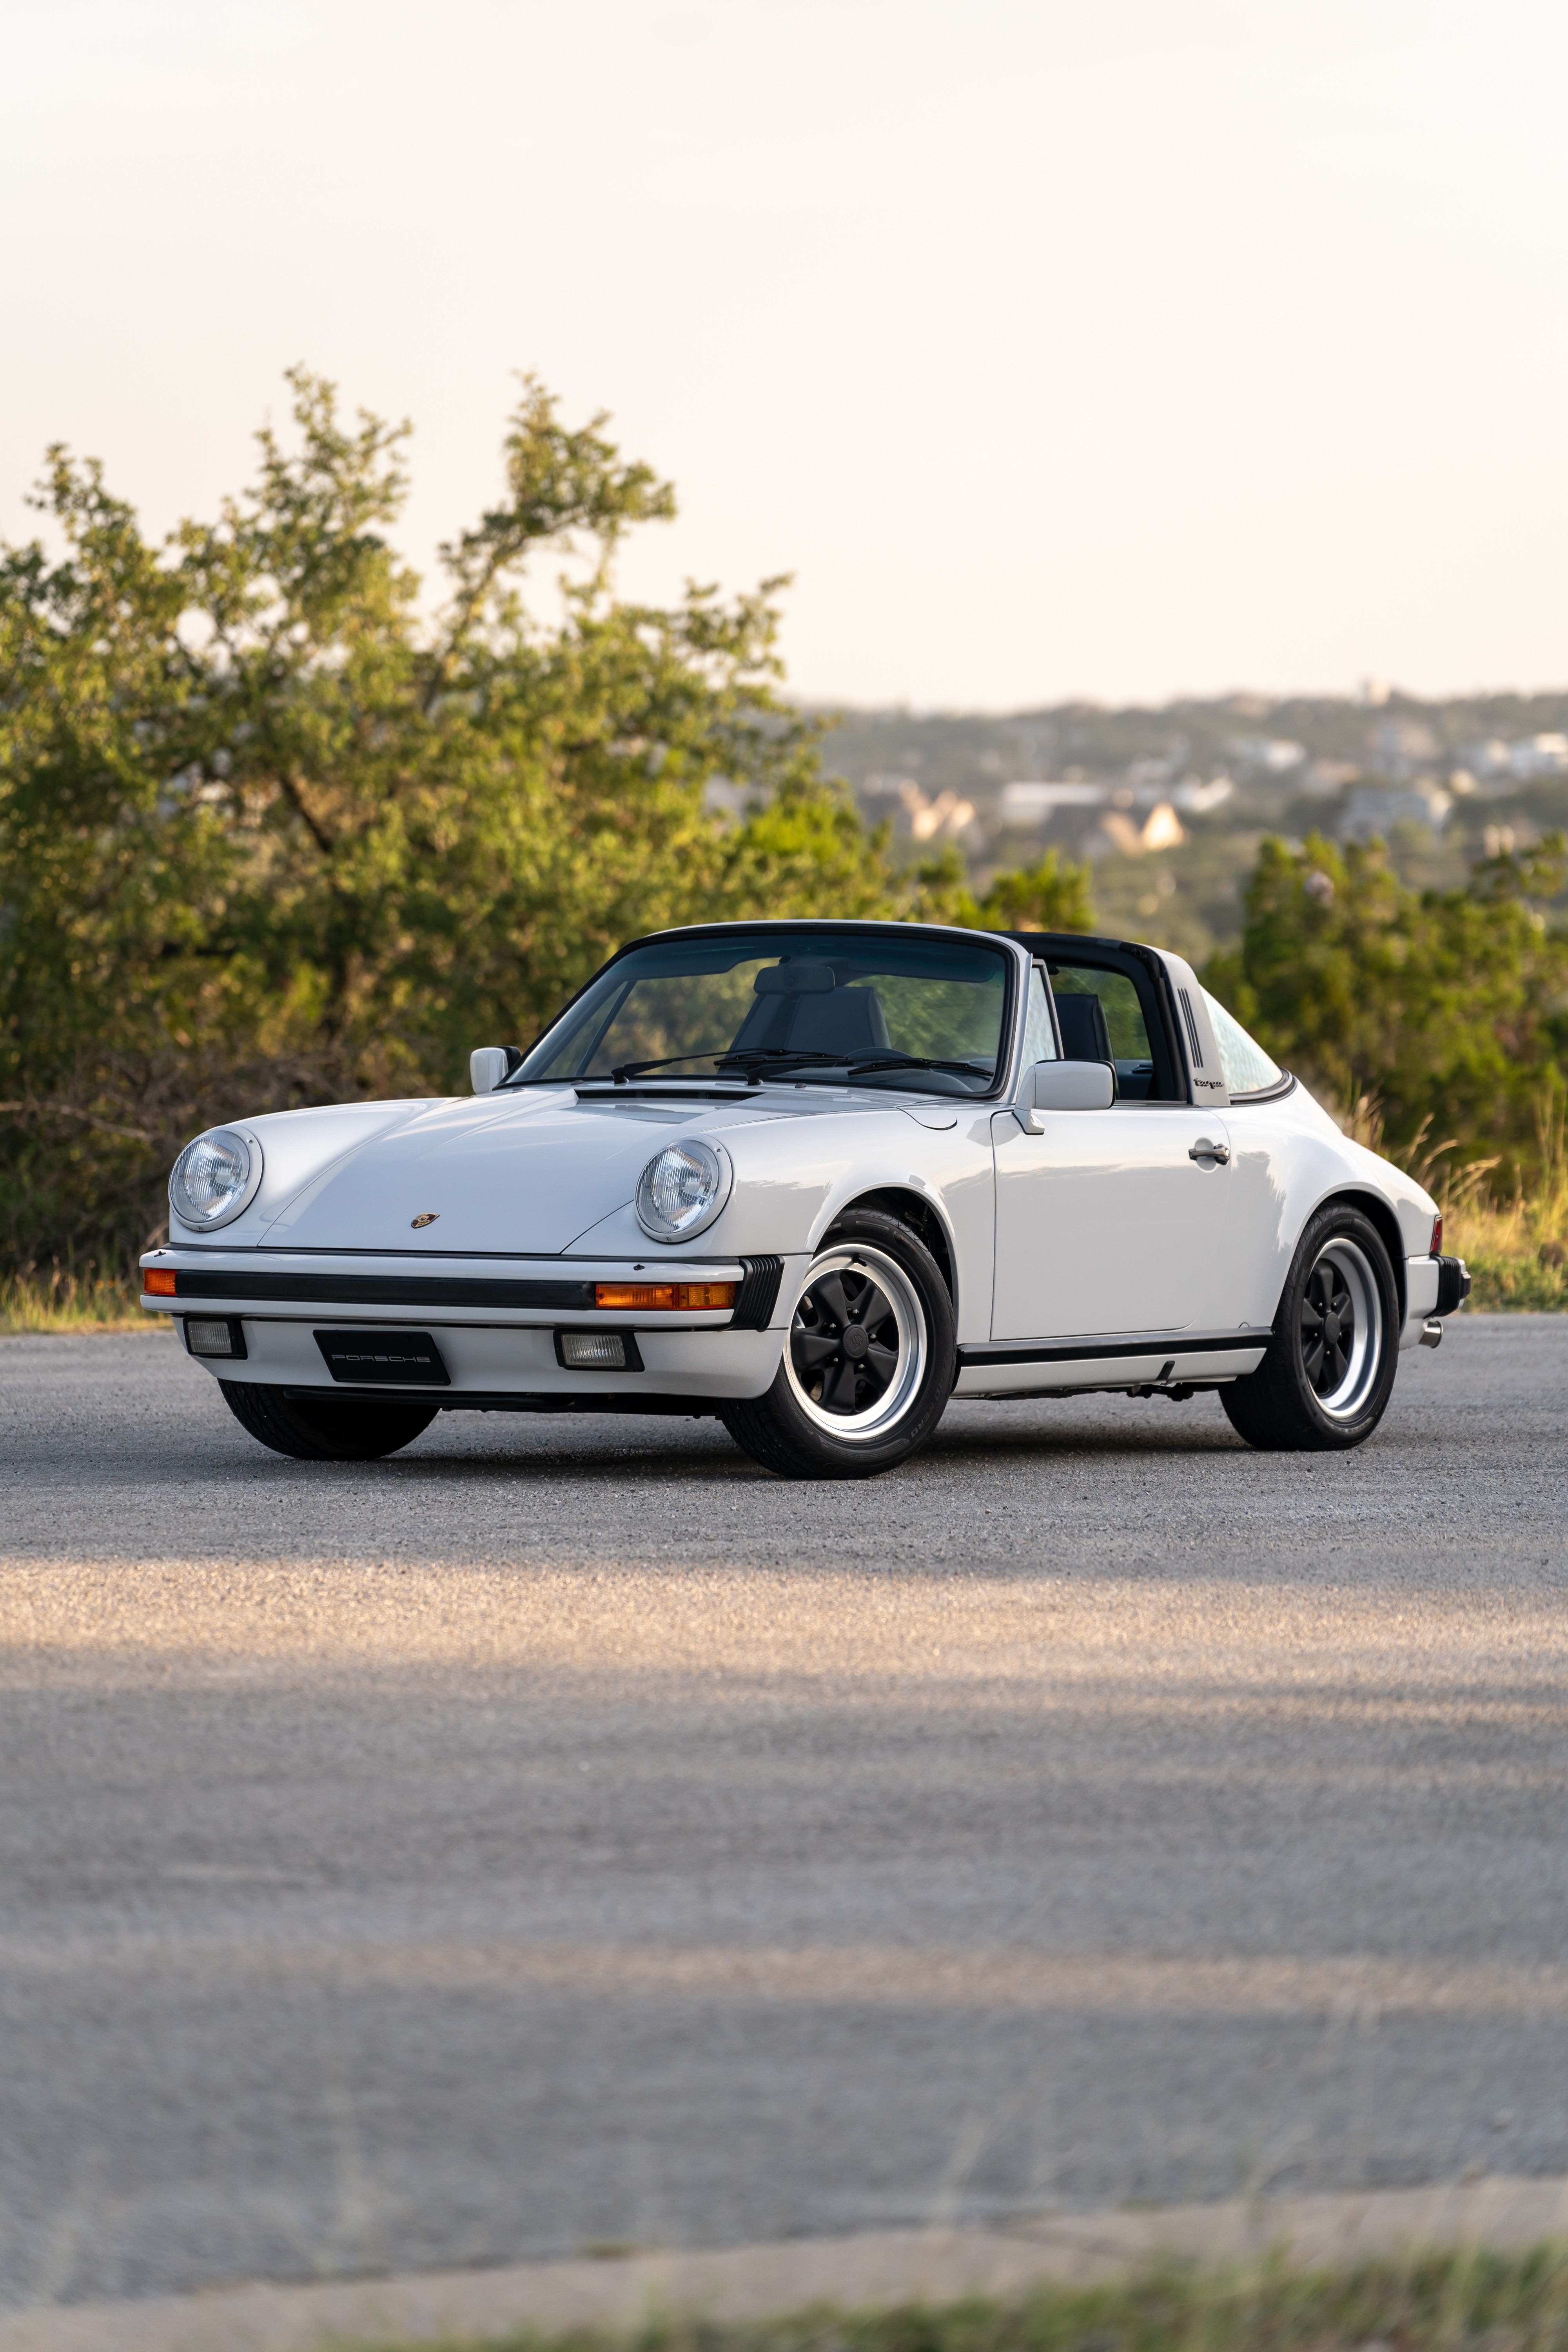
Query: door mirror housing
[(1068, 1085), (488, 1064)]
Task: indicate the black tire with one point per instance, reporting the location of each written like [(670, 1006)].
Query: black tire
[(844, 1406), (1325, 1383), (335, 1430)]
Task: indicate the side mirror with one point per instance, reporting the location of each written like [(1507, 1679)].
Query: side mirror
[(488, 1064), (1070, 1086)]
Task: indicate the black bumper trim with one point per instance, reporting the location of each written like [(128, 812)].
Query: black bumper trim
[(758, 1294), (383, 1290), (1453, 1285), (1102, 1351)]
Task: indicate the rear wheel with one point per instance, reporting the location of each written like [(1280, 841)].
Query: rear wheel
[(338, 1428), (868, 1364), (1325, 1383)]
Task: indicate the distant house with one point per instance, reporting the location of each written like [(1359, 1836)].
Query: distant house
[(1197, 797), (1538, 755), (1275, 755), (1162, 829), (1499, 764), (1398, 746), (1034, 804), (916, 813), (1371, 811)]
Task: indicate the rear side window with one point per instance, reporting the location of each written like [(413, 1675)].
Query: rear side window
[(1247, 1068), (1102, 1019)]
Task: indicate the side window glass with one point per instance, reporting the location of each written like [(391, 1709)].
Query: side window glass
[(1039, 1037), (1247, 1068), (1102, 1019)]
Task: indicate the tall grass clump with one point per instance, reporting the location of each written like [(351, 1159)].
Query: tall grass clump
[(64, 1300), (1515, 1241)]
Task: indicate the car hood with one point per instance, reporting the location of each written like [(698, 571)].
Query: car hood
[(525, 1173)]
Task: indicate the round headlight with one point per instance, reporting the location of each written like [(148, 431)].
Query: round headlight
[(682, 1190), (214, 1178)]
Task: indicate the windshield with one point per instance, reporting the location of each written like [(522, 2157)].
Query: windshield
[(828, 1007)]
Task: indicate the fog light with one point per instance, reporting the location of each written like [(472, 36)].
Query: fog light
[(604, 1351), (216, 1336)]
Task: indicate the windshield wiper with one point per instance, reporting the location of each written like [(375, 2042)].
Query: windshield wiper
[(776, 1055), (920, 1061), (623, 1070), (747, 1055)]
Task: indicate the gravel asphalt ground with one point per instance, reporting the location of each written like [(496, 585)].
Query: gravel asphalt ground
[(564, 1835)]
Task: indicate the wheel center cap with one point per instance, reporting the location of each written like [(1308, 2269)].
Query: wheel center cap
[(1332, 1329), (854, 1343)]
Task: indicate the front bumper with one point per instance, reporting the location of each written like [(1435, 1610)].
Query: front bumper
[(495, 1323)]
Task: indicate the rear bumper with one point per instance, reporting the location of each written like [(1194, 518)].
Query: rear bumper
[(1453, 1285), (1434, 1286)]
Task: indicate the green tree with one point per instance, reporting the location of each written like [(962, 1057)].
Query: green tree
[(1053, 896), (269, 835), (1449, 1009)]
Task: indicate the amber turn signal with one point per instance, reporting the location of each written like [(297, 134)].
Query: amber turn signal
[(665, 1297), (160, 1282)]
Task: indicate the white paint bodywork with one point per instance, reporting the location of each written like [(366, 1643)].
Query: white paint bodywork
[(1095, 1252)]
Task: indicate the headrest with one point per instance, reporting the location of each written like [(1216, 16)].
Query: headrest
[(795, 979)]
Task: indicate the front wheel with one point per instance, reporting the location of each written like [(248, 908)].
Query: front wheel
[(869, 1362), (1326, 1380), (338, 1428)]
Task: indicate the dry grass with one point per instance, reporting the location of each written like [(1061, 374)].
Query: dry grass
[(1462, 2301), (62, 1300), (1516, 1245)]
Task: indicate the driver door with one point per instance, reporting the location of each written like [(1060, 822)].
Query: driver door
[(1106, 1223)]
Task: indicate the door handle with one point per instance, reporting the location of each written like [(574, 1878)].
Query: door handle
[(1203, 1149)]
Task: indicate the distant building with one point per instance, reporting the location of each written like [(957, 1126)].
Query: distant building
[(1033, 804), (914, 811), (1371, 811), (1500, 765), (1326, 776), (1162, 829), (1538, 755), (1275, 755), (1398, 746), (1197, 798)]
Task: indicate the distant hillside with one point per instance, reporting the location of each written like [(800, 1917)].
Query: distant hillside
[(1171, 804)]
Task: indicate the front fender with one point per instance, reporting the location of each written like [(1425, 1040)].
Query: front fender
[(795, 1176)]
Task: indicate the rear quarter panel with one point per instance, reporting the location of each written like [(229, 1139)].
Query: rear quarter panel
[(1289, 1159)]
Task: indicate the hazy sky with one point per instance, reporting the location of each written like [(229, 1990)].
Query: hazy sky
[(1117, 348)]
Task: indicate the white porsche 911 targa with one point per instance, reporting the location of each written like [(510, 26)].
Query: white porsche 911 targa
[(814, 1179)]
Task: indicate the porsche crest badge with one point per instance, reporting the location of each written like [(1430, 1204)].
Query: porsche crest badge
[(426, 1217)]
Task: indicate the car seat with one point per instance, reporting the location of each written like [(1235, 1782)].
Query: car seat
[(850, 1021), (1085, 1037), (815, 1019)]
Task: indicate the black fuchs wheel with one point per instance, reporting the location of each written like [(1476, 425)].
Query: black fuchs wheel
[(336, 1429), (1326, 1380), (868, 1364)]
